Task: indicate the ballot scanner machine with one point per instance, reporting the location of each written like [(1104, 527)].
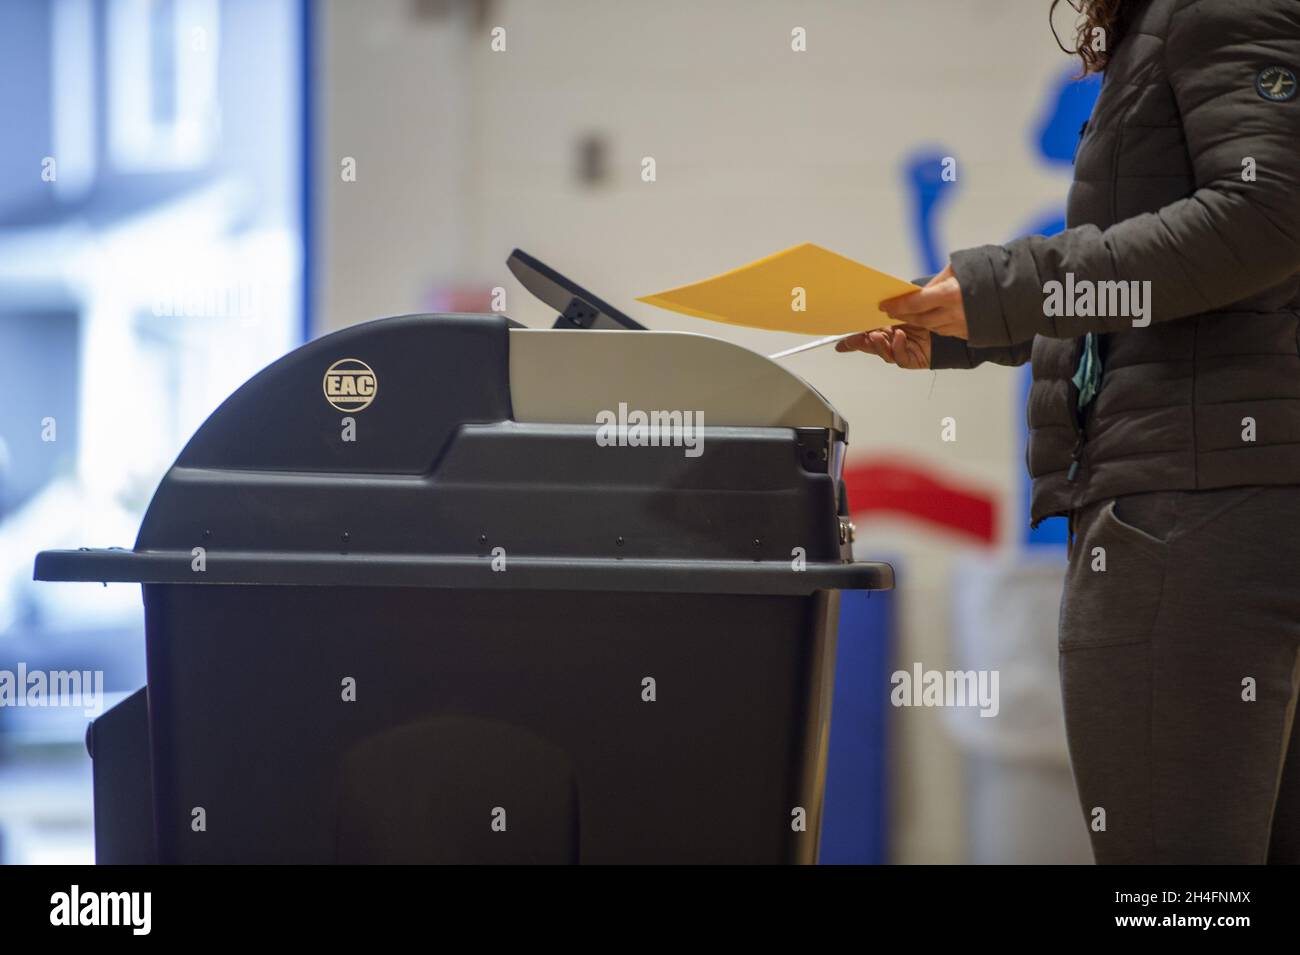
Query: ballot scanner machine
[(429, 589)]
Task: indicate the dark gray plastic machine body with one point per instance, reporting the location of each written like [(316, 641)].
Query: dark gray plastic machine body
[(406, 601)]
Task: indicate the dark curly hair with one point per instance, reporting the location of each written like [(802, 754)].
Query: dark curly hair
[(1106, 16)]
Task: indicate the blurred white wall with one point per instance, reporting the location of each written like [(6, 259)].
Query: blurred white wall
[(463, 153)]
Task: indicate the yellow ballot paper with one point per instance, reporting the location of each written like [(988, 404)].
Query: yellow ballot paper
[(805, 289)]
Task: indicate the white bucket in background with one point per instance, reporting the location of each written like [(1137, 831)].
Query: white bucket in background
[(1020, 805)]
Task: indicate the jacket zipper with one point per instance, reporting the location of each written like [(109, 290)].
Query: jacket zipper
[(1071, 474), (1080, 439), (1076, 418)]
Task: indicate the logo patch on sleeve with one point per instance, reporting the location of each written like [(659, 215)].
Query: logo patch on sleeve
[(1276, 84)]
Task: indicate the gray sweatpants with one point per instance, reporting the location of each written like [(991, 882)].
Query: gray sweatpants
[(1180, 670)]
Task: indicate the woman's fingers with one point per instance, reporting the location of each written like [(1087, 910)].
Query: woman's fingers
[(938, 307), (918, 353), (934, 319), (905, 346), (942, 321), (898, 345), (909, 347), (881, 343), (873, 343), (944, 295)]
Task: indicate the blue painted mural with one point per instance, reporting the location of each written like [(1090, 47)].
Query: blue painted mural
[(1053, 139)]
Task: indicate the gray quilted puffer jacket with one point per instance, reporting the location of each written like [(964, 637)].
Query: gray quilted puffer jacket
[(1187, 177)]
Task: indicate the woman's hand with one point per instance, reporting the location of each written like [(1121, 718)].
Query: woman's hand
[(903, 345), (937, 307)]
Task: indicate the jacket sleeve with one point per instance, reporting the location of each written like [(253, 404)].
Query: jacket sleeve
[(948, 352), (1225, 242)]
